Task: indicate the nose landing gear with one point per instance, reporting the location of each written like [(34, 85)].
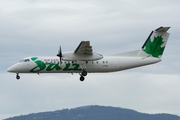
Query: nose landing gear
[(17, 76)]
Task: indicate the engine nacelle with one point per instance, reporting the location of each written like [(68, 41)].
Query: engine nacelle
[(81, 57)]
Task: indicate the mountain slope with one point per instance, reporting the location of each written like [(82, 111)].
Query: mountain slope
[(95, 113)]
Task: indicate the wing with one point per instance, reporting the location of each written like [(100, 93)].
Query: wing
[(84, 52), (84, 48)]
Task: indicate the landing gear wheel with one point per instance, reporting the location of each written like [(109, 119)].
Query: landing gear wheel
[(84, 73), (81, 78), (17, 76)]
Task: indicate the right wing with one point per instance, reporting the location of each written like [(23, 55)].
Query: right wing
[(83, 52), (84, 48)]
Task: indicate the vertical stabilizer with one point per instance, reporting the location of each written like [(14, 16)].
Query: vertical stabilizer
[(155, 43)]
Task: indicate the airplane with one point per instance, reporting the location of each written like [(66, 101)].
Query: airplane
[(83, 60)]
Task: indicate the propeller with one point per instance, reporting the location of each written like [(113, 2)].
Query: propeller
[(60, 54)]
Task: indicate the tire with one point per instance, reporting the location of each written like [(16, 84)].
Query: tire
[(81, 78), (84, 73), (18, 77)]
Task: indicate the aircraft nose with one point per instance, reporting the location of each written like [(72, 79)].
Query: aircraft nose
[(12, 68)]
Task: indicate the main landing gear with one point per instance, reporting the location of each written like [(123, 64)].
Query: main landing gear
[(17, 76), (84, 73)]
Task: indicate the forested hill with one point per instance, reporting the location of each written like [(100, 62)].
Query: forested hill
[(95, 113)]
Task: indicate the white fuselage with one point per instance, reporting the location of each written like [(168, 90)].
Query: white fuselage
[(53, 65)]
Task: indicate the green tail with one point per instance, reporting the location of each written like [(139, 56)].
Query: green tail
[(155, 43)]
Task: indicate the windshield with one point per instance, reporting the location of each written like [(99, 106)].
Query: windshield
[(25, 60)]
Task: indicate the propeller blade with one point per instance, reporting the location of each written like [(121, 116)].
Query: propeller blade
[(60, 54)]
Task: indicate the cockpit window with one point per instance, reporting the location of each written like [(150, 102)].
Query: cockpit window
[(25, 60)]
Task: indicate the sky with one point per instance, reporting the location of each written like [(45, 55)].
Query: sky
[(39, 27)]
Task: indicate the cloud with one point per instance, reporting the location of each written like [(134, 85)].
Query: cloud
[(38, 27)]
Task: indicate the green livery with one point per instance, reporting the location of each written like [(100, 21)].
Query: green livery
[(154, 48), (53, 66)]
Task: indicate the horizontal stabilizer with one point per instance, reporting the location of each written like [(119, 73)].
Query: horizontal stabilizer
[(162, 29)]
